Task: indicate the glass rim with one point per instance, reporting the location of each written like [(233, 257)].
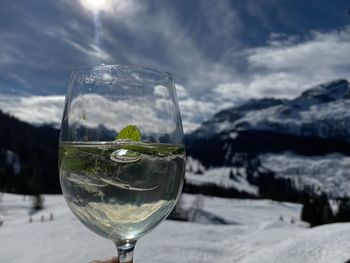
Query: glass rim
[(139, 67)]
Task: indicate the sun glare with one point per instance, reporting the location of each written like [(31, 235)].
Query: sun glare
[(122, 7), (95, 5)]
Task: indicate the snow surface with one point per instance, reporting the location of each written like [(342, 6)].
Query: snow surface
[(328, 173), (261, 231), (197, 174), (330, 243), (194, 165), (221, 177)]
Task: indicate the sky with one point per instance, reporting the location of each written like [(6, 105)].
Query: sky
[(220, 53)]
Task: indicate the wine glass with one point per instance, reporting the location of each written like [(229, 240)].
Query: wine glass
[(121, 151)]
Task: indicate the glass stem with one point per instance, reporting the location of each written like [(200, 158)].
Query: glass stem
[(126, 251)]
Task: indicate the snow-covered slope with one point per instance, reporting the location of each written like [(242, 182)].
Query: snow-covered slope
[(321, 111), (329, 243), (194, 166), (329, 173), (263, 231), (225, 177)]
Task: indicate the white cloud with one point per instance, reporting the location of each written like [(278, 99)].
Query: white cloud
[(136, 32), (275, 84), (132, 32), (283, 68), (40, 110), (318, 51), (193, 110), (34, 109), (287, 65), (177, 51)]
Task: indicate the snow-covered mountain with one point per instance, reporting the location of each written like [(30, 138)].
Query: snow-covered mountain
[(320, 112), (306, 139), (226, 178)]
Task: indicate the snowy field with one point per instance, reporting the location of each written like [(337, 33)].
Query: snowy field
[(259, 231), (327, 173)]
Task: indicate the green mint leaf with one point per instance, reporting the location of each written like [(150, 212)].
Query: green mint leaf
[(130, 132)]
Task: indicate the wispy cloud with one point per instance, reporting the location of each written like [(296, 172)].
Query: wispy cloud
[(220, 54), (61, 36)]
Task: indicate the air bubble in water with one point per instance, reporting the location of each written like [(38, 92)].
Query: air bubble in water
[(124, 156)]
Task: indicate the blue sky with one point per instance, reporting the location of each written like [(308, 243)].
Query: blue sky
[(219, 52)]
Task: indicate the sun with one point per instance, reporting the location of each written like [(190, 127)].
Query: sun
[(122, 7), (95, 5)]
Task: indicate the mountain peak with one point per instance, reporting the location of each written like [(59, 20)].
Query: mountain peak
[(331, 91), (318, 112)]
